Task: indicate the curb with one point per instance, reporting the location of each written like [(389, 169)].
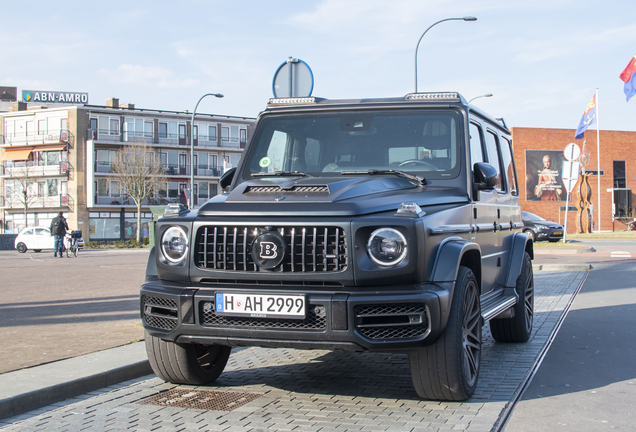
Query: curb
[(561, 250), (28, 389), (561, 267)]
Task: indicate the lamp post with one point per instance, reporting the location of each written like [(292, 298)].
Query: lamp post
[(477, 97), (219, 95), (466, 18)]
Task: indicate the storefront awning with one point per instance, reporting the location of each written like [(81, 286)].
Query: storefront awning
[(18, 154), (52, 148)]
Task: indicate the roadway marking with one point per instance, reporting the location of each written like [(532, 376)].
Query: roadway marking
[(620, 254)]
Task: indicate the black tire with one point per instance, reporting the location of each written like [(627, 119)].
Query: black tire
[(191, 364), (448, 370), (37, 250), (74, 250), (21, 247), (519, 327)]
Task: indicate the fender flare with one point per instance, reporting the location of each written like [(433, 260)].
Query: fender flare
[(520, 243), (444, 274), (151, 267), (449, 256)]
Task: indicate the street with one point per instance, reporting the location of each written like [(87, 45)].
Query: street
[(55, 308)]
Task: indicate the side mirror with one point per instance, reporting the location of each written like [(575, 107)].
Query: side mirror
[(485, 175), (227, 177)]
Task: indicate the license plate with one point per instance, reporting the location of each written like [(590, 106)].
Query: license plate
[(558, 233), (260, 305)]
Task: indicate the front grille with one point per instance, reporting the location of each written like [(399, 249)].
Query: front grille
[(393, 321), (310, 249), (160, 312), (296, 189), (315, 319)]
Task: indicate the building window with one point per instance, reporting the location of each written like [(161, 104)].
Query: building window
[(102, 187), (52, 187), (163, 130), (148, 129), (42, 127), (234, 133), (211, 133), (225, 134), (620, 178), (243, 136), (114, 126)]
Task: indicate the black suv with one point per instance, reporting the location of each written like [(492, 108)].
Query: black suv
[(541, 229), (389, 225)]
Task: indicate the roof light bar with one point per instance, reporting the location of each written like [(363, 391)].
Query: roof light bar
[(432, 96), (291, 101)]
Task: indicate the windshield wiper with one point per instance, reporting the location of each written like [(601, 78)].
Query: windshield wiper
[(280, 174), (420, 180)]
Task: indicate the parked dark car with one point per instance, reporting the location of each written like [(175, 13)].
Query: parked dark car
[(541, 229)]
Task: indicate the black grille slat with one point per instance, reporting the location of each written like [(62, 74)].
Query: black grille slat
[(313, 249), (164, 322), (391, 331), (312, 321)]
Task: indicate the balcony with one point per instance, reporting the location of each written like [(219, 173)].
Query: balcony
[(36, 202), (18, 169), (54, 136), (125, 200), (177, 140)]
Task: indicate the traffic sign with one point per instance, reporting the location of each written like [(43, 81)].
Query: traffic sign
[(572, 152), (293, 78)]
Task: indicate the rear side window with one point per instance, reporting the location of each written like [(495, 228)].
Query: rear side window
[(509, 168), (476, 148), (493, 156)]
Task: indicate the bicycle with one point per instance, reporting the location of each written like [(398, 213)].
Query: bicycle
[(73, 242)]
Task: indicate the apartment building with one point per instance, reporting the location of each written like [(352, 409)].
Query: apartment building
[(58, 158)]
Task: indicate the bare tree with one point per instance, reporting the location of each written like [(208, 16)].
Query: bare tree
[(140, 174), (20, 189)]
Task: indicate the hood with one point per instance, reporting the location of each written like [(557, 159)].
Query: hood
[(327, 196)]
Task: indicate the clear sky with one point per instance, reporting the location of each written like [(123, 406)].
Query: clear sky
[(542, 59)]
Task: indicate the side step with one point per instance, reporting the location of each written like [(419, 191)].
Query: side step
[(497, 301)]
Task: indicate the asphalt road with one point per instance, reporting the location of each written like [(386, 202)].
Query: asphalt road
[(54, 308)]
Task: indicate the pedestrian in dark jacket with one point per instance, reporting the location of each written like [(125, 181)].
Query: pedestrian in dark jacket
[(58, 231)]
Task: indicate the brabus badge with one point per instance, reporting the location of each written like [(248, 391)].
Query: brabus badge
[(268, 250), (279, 198)]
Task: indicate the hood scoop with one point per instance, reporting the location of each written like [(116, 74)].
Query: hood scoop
[(278, 189)]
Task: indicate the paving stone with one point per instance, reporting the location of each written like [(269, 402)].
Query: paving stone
[(321, 391)]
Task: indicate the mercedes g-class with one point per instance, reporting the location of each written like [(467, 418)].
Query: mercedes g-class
[(387, 225)]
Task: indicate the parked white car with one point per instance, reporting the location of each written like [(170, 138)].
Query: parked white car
[(34, 238)]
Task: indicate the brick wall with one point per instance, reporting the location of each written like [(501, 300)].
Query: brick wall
[(615, 146)]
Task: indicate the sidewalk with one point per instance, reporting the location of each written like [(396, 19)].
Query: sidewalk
[(35, 387)]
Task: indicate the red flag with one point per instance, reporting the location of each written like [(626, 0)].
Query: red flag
[(629, 70), (629, 78)]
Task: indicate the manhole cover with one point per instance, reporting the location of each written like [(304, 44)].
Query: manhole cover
[(200, 399)]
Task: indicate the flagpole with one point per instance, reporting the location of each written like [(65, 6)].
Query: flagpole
[(598, 164)]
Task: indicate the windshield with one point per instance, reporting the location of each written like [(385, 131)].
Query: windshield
[(531, 217), (419, 142)]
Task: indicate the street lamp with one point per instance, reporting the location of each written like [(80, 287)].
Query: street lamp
[(219, 95), (466, 18), (477, 97)]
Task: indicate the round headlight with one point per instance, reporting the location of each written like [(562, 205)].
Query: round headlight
[(174, 244), (386, 246)]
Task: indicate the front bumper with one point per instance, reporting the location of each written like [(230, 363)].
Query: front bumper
[(379, 319), (550, 234)]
